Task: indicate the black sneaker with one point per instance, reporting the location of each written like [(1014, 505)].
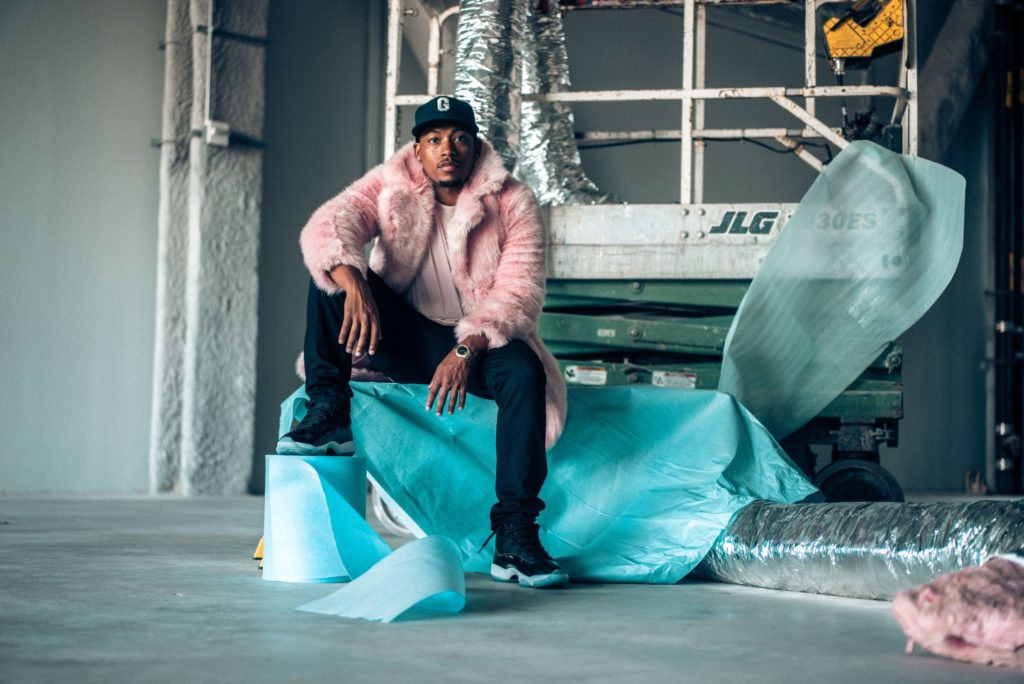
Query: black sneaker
[(324, 430), (519, 557)]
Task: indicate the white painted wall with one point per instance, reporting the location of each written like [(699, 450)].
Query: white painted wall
[(80, 92)]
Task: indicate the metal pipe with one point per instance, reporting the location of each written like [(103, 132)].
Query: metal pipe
[(433, 54), (714, 94), (699, 134), (569, 5), (391, 76), (699, 82), (756, 133), (901, 104), (434, 47), (209, 67), (686, 163), (910, 116), (802, 114), (801, 151), (810, 51), (695, 93)]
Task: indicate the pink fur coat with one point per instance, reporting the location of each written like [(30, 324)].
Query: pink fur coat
[(497, 240)]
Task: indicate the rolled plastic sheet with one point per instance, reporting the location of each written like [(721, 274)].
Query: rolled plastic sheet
[(314, 528), (549, 161), (314, 531), (641, 483), (871, 246), (861, 550), (423, 574), (488, 72)]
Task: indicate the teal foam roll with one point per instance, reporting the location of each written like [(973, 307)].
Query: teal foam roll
[(314, 527), (426, 573), (315, 531)]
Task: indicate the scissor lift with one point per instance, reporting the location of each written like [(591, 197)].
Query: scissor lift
[(643, 294)]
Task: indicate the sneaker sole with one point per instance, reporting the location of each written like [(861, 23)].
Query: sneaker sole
[(289, 447), (558, 578)]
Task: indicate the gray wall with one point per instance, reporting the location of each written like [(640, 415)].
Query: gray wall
[(81, 88), (943, 435)]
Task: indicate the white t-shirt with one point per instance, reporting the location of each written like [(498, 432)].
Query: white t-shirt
[(433, 292)]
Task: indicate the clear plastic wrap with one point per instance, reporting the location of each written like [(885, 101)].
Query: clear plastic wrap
[(872, 245), (861, 550)]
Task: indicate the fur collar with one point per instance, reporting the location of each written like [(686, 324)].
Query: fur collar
[(409, 202), (403, 171)]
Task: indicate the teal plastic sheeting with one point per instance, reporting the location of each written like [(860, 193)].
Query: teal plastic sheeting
[(640, 485), (314, 531), (872, 245)]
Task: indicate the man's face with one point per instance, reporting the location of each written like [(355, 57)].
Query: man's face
[(448, 155)]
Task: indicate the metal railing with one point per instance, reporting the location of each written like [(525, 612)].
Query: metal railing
[(693, 94)]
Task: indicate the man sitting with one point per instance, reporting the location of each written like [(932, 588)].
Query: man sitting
[(450, 297)]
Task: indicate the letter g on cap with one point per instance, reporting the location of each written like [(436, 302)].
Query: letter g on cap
[(443, 105)]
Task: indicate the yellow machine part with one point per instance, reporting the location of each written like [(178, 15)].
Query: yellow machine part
[(850, 40)]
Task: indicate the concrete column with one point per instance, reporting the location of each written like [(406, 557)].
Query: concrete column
[(218, 359), (172, 250), (955, 67)]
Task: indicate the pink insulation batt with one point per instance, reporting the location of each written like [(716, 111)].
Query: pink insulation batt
[(976, 615)]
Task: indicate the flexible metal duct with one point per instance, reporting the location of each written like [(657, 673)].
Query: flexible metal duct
[(549, 160), (503, 48), (861, 550), (488, 70)]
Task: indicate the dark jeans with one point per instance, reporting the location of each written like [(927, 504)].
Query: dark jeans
[(410, 349)]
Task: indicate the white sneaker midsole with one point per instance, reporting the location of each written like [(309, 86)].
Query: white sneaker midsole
[(512, 573), (292, 448)]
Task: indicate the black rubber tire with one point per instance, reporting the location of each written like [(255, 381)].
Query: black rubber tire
[(854, 479), (802, 456)]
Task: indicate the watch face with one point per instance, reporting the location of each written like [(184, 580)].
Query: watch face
[(462, 351)]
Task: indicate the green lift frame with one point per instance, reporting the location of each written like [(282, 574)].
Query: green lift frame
[(671, 333)]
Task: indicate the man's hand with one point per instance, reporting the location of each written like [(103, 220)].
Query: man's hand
[(360, 327), (448, 385)]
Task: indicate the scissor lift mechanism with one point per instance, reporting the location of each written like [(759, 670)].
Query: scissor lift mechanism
[(663, 291)]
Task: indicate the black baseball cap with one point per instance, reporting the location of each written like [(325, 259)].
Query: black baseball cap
[(447, 109)]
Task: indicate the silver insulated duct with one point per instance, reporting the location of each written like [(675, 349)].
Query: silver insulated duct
[(549, 160), (505, 47), (861, 550), (488, 69)]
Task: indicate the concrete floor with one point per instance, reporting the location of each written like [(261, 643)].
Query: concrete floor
[(162, 590)]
